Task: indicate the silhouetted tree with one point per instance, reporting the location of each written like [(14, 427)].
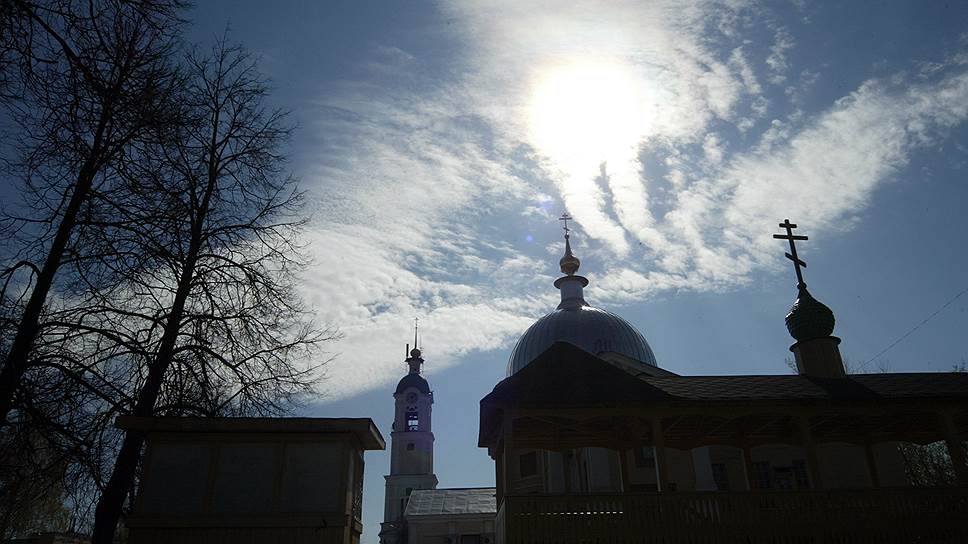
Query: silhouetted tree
[(211, 290), (82, 80), (159, 201)]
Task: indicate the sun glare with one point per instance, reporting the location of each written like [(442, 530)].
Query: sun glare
[(586, 113)]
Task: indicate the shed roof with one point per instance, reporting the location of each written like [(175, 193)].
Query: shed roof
[(362, 428)]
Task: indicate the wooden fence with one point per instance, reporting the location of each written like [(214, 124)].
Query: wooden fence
[(909, 515)]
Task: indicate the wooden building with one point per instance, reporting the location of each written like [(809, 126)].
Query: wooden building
[(593, 442), (251, 480)]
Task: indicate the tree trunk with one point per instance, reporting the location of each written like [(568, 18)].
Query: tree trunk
[(109, 505), (15, 364)]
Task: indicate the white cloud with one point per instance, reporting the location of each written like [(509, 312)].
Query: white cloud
[(826, 171), (426, 195), (777, 61)]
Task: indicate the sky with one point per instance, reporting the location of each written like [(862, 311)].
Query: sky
[(439, 142)]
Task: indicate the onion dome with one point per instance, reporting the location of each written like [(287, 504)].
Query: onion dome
[(809, 318), (576, 322), (569, 263)]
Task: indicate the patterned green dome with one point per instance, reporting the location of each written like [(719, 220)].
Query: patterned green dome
[(809, 318)]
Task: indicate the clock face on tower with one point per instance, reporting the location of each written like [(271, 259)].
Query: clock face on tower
[(411, 397)]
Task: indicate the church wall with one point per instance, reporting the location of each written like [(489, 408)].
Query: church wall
[(779, 466), (595, 470), (775, 466), (843, 466), (412, 453), (398, 489), (603, 473), (452, 530), (728, 468), (554, 472), (890, 465), (533, 481), (642, 469), (682, 475)]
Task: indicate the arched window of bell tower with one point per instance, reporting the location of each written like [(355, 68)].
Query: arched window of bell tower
[(413, 419)]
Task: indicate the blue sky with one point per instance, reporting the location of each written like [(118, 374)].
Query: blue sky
[(440, 141)]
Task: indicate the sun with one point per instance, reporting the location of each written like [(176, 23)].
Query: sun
[(586, 113)]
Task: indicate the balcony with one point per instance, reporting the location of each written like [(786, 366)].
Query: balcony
[(900, 515)]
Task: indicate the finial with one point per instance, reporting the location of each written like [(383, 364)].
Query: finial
[(569, 263), (797, 263), (808, 318), (415, 352)]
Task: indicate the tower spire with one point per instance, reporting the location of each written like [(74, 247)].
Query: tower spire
[(571, 286), (415, 360), (569, 263)]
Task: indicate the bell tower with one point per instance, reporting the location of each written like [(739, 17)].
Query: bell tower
[(411, 448)]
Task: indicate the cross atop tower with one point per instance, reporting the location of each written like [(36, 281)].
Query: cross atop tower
[(797, 263), (565, 218)]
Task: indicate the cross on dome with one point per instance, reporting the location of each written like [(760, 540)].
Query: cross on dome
[(797, 263), (569, 263), (565, 218)]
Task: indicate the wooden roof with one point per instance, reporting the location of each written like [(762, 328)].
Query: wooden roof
[(567, 379)]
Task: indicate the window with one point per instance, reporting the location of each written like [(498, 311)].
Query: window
[(528, 464), (800, 473), (644, 457), (643, 488), (410, 446), (762, 475), (413, 420), (720, 476)]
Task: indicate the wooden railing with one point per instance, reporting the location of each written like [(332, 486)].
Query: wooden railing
[(780, 517)]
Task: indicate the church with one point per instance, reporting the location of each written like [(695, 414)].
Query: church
[(593, 441)]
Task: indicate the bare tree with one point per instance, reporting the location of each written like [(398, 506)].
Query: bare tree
[(162, 207), (91, 76), (217, 221)]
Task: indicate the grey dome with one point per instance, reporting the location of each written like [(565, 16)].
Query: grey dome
[(412, 380), (591, 329)]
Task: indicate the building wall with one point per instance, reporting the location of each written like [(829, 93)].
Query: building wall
[(248, 487), (890, 465), (458, 529), (709, 468)]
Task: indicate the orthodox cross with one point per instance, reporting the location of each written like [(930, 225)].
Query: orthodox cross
[(565, 218), (797, 263)]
